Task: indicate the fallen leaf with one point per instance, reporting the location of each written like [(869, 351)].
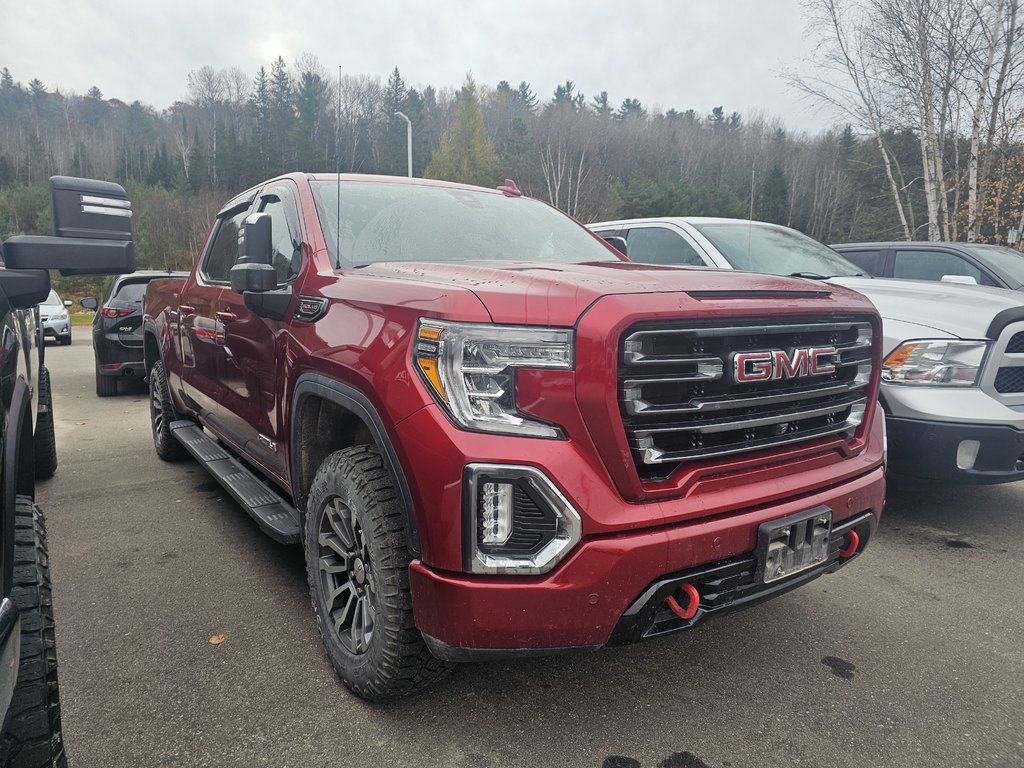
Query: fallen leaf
[(217, 639)]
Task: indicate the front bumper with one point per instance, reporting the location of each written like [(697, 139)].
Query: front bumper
[(928, 449), (57, 329), (602, 593)]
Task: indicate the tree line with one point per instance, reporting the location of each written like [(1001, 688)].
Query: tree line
[(908, 163)]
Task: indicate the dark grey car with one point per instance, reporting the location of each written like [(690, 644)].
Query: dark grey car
[(117, 329), (974, 263)]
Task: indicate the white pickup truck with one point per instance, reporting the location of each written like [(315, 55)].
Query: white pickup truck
[(953, 375)]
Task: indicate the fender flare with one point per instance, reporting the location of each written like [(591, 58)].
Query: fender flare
[(13, 424), (350, 398)]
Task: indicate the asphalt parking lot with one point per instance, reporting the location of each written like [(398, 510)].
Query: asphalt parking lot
[(911, 656)]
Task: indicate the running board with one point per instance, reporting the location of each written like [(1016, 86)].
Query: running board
[(275, 516)]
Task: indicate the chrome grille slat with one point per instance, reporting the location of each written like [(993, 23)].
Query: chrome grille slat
[(673, 413)]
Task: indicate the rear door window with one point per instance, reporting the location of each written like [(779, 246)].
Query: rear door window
[(130, 293), (658, 245), (871, 261)]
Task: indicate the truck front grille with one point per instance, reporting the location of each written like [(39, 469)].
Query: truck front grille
[(682, 399)]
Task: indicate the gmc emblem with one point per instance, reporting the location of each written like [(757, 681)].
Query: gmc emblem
[(778, 364)]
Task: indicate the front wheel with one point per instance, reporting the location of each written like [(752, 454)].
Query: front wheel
[(357, 563), (161, 414), (33, 737)]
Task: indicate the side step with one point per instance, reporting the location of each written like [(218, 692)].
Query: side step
[(278, 519)]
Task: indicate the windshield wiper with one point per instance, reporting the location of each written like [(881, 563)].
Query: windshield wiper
[(808, 275)]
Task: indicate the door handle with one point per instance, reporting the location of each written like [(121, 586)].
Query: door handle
[(226, 317), (186, 309)]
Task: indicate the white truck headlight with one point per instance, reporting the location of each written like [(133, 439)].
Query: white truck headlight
[(938, 362), (470, 368)]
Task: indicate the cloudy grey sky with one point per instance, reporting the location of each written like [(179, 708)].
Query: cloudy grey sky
[(668, 53)]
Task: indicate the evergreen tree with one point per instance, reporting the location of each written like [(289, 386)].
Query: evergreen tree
[(601, 105), (631, 109), (774, 196), (259, 109), (465, 154), (393, 154)]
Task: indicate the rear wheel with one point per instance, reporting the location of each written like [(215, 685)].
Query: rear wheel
[(45, 441), (106, 386), (357, 563), (33, 737), (161, 414)]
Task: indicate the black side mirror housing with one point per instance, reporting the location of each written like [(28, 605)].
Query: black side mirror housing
[(92, 231), (253, 277), (257, 240), (618, 243), (90, 302), (25, 288)]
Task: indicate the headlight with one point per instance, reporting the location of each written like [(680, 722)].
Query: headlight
[(942, 363), (470, 368), (61, 316)]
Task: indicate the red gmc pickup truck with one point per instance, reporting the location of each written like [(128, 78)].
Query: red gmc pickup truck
[(492, 435)]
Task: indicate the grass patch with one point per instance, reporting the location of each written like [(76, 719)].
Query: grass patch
[(81, 318)]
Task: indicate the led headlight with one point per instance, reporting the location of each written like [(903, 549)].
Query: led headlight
[(939, 362), (470, 368), (61, 315)]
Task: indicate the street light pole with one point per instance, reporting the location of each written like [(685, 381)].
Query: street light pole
[(408, 140)]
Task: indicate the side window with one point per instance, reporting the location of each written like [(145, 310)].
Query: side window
[(287, 252), (870, 262), (223, 251), (932, 265), (657, 245)]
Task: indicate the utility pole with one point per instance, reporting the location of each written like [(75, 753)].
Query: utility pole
[(408, 140)]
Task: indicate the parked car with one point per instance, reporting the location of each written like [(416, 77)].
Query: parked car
[(90, 239), (969, 263), (493, 437), (953, 370), (54, 319), (117, 329)]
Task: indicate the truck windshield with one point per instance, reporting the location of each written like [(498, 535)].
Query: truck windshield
[(1006, 259), (758, 247), (409, 222)]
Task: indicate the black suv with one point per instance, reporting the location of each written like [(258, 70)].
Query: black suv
[(117, 329), (92, 235)]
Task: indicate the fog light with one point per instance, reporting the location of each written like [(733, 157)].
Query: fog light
[(496, 513), (515, 521), (967, 453)]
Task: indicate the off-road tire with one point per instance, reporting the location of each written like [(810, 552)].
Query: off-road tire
[(161, 414), (45, 441), (33, 737), (396, 661), (106, 386)]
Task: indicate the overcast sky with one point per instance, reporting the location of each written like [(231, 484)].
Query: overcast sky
[(667, 53)]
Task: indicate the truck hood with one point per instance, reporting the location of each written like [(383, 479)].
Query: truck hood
[(557, 294), (916, 307)]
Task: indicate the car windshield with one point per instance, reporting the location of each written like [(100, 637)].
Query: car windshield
[(758, 247), (410, 222), (1001, 257), (53, 298)]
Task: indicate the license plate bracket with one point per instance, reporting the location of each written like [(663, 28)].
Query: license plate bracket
[(793, 544)]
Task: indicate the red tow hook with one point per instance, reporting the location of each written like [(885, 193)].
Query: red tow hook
[(690, 610), (850, 549)]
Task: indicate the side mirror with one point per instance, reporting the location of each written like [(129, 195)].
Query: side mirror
[(68, 303), (25, 288), (89, 302), (618, 243), (959, 279), (256, 240), (92, 231), (253, 278)]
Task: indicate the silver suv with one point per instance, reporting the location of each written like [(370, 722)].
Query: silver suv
[(54, 318), (953, 375)]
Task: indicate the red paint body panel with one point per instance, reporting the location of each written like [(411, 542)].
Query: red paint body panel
[(238, 372)]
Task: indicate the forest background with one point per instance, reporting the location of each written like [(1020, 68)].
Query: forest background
[(928, 97)]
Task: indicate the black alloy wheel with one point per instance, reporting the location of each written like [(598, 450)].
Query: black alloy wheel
[(346, 575)]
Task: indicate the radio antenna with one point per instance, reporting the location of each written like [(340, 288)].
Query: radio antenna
[(337, 171)]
